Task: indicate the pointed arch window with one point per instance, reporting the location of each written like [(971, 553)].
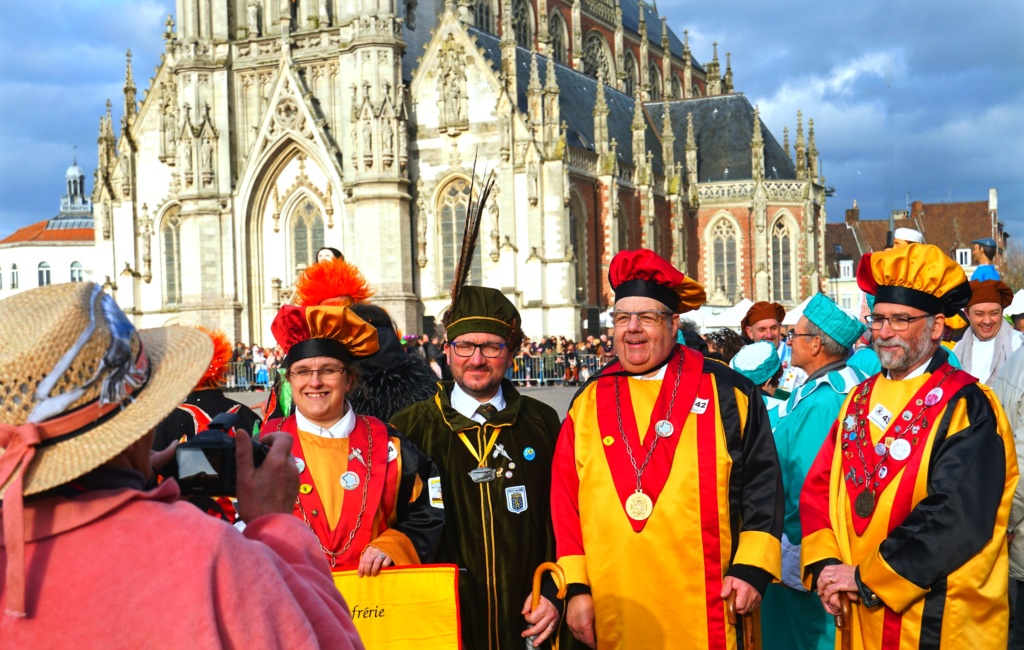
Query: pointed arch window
[(307, 234), (782, 262), (76, 272), (577, 242), (484, 18), (629, 85), (454, 204), (522, 23), (596, 57), (654, 79), (624, 243), (171, 233), (556, 30), (723, 250), (677, 87), (14, 276), (695, 91)]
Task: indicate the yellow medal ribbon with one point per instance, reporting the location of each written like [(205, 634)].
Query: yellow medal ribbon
[(482, 459)]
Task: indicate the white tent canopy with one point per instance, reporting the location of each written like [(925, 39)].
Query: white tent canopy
[(1017, 306), (794, 314)]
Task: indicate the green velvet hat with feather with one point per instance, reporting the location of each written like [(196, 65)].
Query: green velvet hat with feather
[(479, 309)]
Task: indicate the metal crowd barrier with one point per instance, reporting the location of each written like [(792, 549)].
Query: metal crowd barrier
[(549, 370), (243, 375)]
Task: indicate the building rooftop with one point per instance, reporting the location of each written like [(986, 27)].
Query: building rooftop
[(54, 230)]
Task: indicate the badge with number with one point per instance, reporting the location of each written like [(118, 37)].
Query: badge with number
[(880, 417), (699, 406), (392, 452)]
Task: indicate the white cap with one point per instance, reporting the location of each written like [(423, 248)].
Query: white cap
[(909, 234)]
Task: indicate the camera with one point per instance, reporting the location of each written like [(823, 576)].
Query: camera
[(205, 465)]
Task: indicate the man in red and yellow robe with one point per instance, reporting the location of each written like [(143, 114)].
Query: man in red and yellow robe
[(905, 507), (666, 489)]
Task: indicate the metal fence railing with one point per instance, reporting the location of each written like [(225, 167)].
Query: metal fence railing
[(246, 375), (550, 370)]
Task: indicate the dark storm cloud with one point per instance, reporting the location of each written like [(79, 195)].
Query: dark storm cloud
[(925, 97), (919, 97)]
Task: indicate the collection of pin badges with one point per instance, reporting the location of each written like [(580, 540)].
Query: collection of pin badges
[(856, 436)]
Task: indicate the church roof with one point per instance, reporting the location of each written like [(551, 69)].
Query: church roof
[(631, 23), (54, 230), (577, 97), (723, 127)]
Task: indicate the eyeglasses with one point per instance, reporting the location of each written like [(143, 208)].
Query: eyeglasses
[(795, 334), (467, 349), (896, 323), (325, 374), (649, 317)]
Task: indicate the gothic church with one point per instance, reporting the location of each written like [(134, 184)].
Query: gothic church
[(274, 127)]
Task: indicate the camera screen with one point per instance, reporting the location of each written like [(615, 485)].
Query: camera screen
[(200, 470)]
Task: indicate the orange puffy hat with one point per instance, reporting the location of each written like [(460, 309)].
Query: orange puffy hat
[(916, 275), (646, 274), (218, 369), (760, 311), (989, 291), (322, 331), (333, 282)]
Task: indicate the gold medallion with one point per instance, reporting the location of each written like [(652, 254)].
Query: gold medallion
[(639, 506), (864, 504)]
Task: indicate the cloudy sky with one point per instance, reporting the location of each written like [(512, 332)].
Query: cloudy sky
[(925, 97)]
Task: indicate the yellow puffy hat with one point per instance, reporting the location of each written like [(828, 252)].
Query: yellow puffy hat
[(915, 275)]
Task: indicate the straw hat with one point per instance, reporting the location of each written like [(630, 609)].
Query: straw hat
[(67, 351)]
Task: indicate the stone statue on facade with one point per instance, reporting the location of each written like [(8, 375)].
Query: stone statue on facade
[(252, 14)]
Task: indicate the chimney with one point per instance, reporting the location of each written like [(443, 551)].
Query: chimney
[(853, 214), (993, 203)]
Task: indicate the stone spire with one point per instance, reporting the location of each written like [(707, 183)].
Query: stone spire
[(638, 127), (785, 141), (646, 83), (619, 51), (552, 113), (601, 145), (687, 65), (691, 160), (714, 79), (106, 143), (812, 151), (534, 98), (666, 61), (668, 141), (129, 90), (508, 48), (727, 81), (801, 153), (757, 148)]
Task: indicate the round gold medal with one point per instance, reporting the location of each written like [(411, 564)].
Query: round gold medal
[(864, 504), (639, 506)]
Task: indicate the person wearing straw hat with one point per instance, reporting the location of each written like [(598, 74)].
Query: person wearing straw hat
[(81, 392), (990, 340), (792, 617), (905, 507), (666, 491), (364, 486), (493, 447)]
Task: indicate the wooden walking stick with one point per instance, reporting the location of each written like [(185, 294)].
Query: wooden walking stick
[(844, 622), (558, 575), (751, 637)]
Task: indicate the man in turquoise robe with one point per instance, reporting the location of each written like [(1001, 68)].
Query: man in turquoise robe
[(791, 616)]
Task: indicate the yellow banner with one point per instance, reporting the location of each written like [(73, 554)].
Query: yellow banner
[(405, 608)]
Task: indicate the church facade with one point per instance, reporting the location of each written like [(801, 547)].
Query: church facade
[(274, 127)]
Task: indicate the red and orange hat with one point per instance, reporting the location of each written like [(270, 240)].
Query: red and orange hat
[(646, 274), (322, 331), (916, 275)]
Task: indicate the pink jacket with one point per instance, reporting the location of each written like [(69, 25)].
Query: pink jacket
[(130, 569)]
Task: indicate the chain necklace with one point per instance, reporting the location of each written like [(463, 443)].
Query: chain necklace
[(639, 506), (864, 504), (334, 555)]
